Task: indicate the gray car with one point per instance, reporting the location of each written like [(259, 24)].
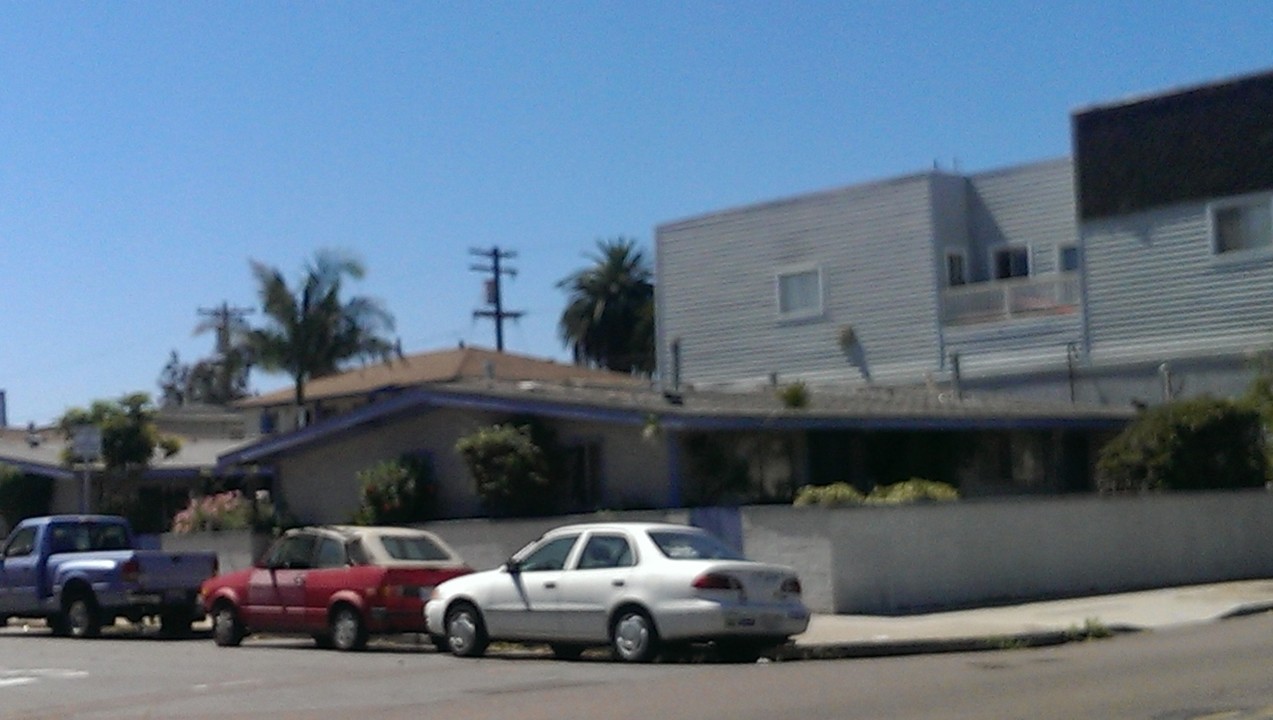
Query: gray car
[(637, 587)]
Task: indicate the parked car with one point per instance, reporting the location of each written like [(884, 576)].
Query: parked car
[(338, 584), (637, 587), (80, 572)]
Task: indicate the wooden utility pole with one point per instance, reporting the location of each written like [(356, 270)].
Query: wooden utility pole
[(494, 292)]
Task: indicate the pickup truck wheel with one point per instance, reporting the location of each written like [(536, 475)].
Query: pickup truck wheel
[(81, 618), (226, 629), (347, 629)]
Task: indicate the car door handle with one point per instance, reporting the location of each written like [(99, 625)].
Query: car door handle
[(617, 582), (550, 584), (299, 581)]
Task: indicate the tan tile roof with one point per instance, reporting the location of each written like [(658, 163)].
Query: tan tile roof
[(445, 366)]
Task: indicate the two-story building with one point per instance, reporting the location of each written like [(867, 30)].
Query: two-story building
[(1143, 274)]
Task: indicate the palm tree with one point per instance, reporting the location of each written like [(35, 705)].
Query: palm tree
[(308, 332), (609, 317)]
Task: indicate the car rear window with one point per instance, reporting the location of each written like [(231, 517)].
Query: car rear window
[(400, 547), (692, 546)]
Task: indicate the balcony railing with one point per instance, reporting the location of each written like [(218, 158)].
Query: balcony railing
[(1003, 300)]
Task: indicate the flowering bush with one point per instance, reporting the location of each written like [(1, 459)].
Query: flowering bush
[(229, 510)]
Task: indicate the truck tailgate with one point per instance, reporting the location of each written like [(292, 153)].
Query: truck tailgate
[(162, 570)]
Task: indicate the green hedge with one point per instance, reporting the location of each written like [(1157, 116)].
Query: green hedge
[(1196, 444)]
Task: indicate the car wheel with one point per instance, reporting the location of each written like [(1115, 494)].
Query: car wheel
[(227, 631), (566, 651), (439, 642), (81, 618), (465, 633), (347, 629), (633, 636), (323, 641)]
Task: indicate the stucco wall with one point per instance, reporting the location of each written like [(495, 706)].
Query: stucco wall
[(893, 560)]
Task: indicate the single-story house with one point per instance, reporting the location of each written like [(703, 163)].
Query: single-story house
[(629, 443), (152, 495)]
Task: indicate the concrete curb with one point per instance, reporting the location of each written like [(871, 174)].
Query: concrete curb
[(932, 646)]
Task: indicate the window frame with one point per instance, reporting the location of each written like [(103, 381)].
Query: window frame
[(799, 313), (1060, 257), (1011, 248), (962, 257), (1253, 200)]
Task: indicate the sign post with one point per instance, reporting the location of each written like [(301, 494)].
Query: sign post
[(86, 449)]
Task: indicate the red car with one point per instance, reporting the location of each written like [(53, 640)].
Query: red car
[(339, 584)]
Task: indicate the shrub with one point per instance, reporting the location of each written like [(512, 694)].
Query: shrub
[(229, 510), (396, 492), (512, 473), (794, 396), (1195, 444), (23, 496), (833, 495), (912, 491), (843, 494)]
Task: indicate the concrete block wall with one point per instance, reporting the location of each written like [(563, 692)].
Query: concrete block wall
[(919, 558)]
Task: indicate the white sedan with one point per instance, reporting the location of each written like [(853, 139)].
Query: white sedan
[(637, 587)]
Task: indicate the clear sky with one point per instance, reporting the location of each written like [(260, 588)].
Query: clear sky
[(148, 150)]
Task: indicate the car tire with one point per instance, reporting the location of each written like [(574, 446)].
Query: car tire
[(633, 637), (566, 651), (439, 642), (227, 631), (348, 631), (465, 631), (81, 617)]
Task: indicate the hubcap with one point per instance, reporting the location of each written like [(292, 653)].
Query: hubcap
[(78, 616), (631, 635), (461, 631), (345, 631)]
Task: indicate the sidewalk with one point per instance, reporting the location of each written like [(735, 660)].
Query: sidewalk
[(1027, 625)]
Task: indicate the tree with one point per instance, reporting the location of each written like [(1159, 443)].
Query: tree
[(130, 440), (308, 331), (609, 317), (1195, 444)]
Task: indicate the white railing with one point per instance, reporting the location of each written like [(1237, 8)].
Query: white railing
[(1002, 300)]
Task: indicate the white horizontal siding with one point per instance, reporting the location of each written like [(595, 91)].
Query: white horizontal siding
[(873, 244), (1154, 287), (1031, 205)]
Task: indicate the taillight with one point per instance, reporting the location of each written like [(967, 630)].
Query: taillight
[(791, 586), (130, 571), (716, 581)]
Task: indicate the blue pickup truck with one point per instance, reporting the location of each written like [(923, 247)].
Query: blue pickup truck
[(82, 572)]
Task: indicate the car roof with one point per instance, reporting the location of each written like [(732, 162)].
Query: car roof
[(636, 526)]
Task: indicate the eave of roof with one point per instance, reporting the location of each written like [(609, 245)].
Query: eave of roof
[(699, 411)]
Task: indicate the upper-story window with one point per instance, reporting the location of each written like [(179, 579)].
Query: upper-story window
[(800, 293), (1245, 224), (956, 268), (1012, 262), (1067, 258)]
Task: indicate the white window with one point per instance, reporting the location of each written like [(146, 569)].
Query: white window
[(1012, 262), (1067, 258), (956, 268), (1241, 225), (800, 293)]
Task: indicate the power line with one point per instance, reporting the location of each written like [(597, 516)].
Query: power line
[(494, 291), (224, 318)]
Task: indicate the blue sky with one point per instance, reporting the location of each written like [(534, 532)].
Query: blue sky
[(148, 150)]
